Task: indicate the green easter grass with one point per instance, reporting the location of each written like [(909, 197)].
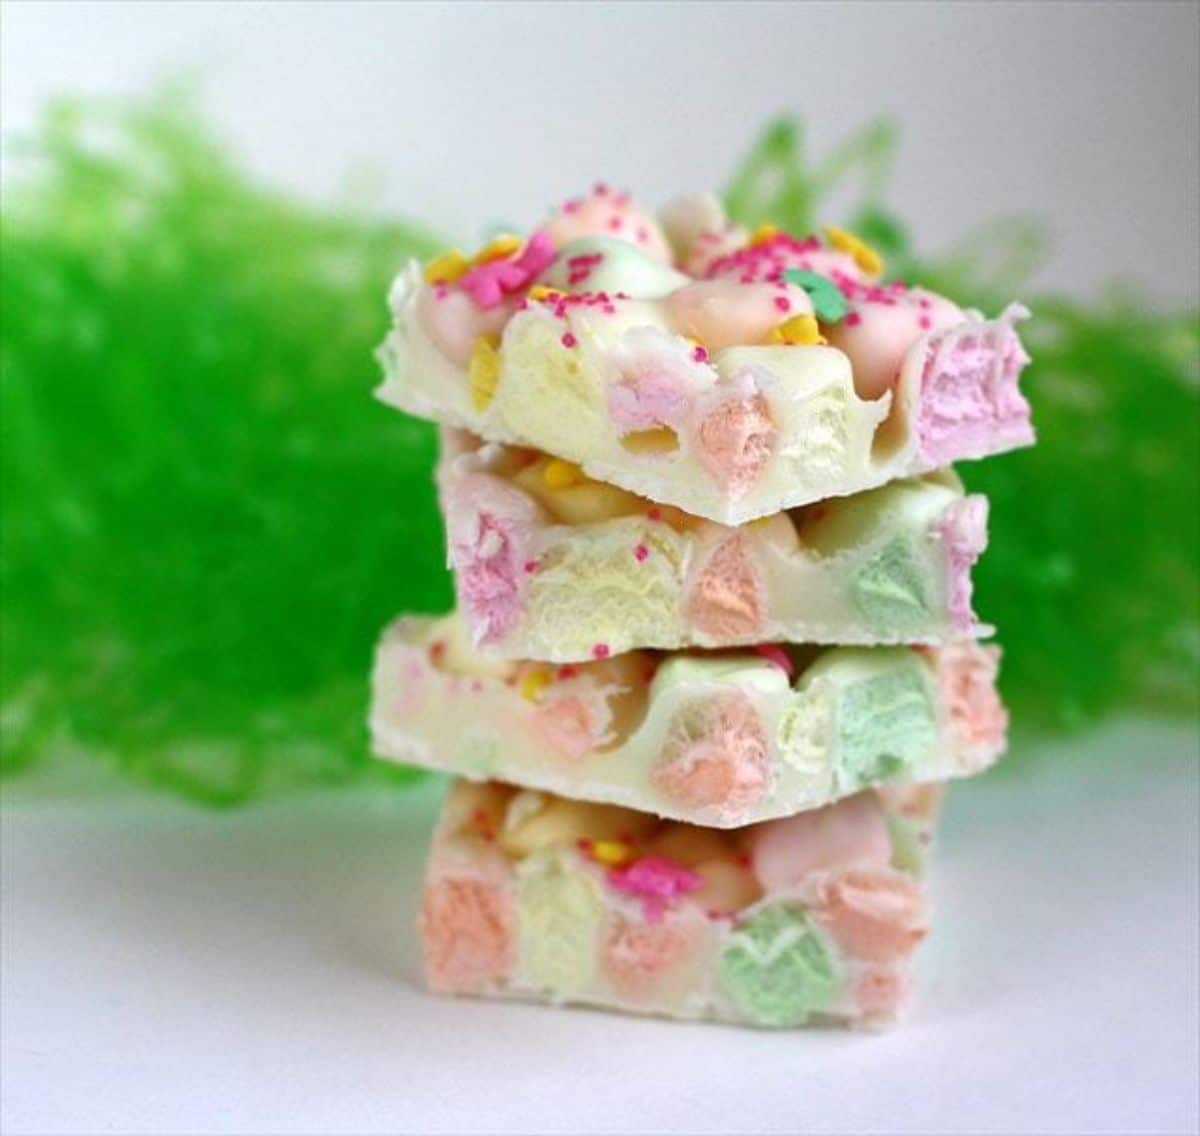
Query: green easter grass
[(206, 518)]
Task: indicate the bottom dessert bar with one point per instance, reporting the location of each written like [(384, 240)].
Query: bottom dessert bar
[(807, 920)]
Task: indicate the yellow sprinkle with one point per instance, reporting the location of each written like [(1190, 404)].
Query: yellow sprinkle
[(611, 852), (799, 331), (533, 682), (544, 292), (763, 233), (483, 372), (497, 249), (864, 255), (447, 267), (559, 474)]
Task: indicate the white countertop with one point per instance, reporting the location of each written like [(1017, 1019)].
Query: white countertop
[(167, 970)]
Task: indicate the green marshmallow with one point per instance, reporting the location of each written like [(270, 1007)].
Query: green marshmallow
[(889, 589), (827, 300), (886, 725), (777, 968)]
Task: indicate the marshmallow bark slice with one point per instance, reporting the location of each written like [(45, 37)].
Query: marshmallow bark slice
[(808, 920), (552, 565), (721, 739)]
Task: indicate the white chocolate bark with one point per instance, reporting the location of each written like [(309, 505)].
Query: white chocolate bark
[(728, 375), (808, 920), (552, 566), (722, 739)]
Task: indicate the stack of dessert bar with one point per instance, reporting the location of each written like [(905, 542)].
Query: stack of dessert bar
[(714, 653)]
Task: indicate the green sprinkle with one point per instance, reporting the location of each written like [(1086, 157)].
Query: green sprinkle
[(827, 299)]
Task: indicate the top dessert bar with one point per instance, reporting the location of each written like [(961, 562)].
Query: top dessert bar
[(730, 374)]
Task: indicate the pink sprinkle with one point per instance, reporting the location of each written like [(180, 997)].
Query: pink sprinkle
[(600, 651), (600, 189), (783, 303), (641, 552), (656, 881), (572, 206), (642, 234), (614, 223), (775, 654), (700, 354), (569, 340), (925, 323), (853, 319), (531, 565)]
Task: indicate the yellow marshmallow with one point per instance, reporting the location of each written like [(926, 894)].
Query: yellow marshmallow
[(483, 372)]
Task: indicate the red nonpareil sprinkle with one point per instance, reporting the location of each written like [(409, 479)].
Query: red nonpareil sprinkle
[(600, 189), (743, 860), (568, 671), (600, 651), (531, 566), (853, 319), (699, 354), (437, 651), (655, 513), (776, 655), (783, 303), (569, 340), (641, 552)]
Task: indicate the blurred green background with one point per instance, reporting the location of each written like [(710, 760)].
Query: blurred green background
[(206, 518)]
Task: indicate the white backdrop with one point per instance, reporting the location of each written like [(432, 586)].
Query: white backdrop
[(475, 112)]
